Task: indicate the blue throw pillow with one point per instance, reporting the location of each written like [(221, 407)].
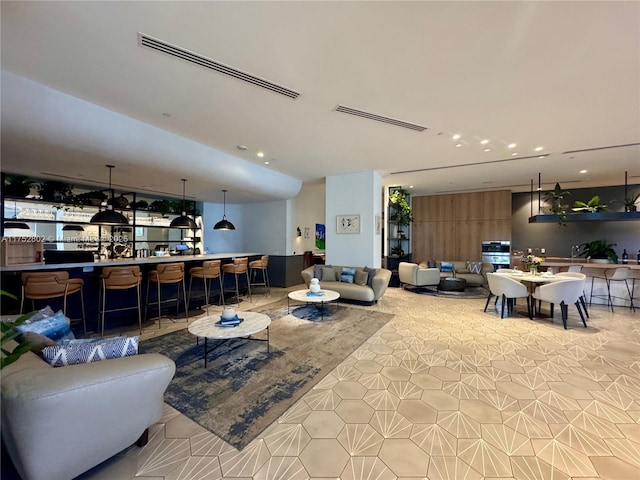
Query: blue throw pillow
[(347, 275), (56, 327), (446, 267), (90, 351)]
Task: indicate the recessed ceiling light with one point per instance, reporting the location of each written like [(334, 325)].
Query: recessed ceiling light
[(487, 149), (484, 142), (541, 156), (266, 162), (583, 171), (539, 149), (456, 136), (241, 147), (458, 144), (511, 145), (539, 189), (260, 154), (410, 186), (514, 154)]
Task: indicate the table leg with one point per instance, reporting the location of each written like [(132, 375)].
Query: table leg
[(205, 352)]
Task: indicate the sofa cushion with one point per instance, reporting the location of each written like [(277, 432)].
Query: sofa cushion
[(317, 271), (474, 267), (37, 342), (431, 264), (361, 277), (90, 351), (347, 274), (328, 274), (446, 266), (56, 326)]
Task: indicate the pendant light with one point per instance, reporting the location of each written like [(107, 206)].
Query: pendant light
[(109, 216), (183, 221), (224, 224), (73, 228), (14, 223)]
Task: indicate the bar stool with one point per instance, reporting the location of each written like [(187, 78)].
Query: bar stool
[(120, 278), (618, 274), (634, 274), (208, 271), (260, 265), (237, 268), (45, 285), (168, 273)]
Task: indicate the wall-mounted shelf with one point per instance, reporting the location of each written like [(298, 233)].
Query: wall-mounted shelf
[(587, 217)]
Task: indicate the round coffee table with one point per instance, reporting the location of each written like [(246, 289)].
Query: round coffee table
[(252, 322), (452, 284), (304, 296)]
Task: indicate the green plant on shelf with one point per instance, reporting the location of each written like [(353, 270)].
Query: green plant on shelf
[(592, 206), (599, 249), (555, 200)]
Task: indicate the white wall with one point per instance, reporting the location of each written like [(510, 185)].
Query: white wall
[(266, 227), (222, 241), (357, 193), (308, 209)]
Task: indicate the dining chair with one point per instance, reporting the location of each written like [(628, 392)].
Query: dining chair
[(575, 274), (47, 285), (119, 279), (564, 293), (504, 271), (508, 289)]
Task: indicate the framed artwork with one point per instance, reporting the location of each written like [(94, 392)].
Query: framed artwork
[(320, 236), (348, 224)]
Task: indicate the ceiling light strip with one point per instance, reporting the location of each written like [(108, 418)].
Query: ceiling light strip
[(160, 46), (379, 118), (602, 148), (445, 167)]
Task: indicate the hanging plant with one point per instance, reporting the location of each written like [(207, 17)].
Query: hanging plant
[(400, 208), (555, 200)]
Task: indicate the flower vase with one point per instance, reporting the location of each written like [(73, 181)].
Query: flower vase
[(533, 270)]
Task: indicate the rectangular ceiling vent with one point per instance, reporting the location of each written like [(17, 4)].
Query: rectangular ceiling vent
[(379, 118), (160, 46)]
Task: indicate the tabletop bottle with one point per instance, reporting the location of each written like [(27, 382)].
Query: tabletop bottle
[(625, 256)]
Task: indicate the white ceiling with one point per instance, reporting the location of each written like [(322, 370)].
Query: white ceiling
[(561, 75)]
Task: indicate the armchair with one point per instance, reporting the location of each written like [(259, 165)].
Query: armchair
[(417, 276)]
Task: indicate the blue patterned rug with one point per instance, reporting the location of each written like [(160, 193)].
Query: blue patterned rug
[(244, 389)]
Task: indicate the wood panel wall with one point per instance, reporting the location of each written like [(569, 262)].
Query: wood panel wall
[(452, 227)]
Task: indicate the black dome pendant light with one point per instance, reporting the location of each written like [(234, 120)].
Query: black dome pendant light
[(14, 223), (109, 216), (224, 224), (183, 221)]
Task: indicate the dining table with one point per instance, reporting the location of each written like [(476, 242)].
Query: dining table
[(531, 282)]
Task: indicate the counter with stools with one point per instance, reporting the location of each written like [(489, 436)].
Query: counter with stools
[(118, 279), (260, 265), (207, 272), (46, 285), (168, 273), (237, 268)]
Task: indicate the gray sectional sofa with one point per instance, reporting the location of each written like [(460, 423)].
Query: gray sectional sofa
[(370, 292)]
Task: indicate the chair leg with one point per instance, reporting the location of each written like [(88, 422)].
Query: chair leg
[(146, 302), (584, 305), (591, 293), (237, 291), (609, 300), (84, 317), (551, 306), (190, 282), (249, 287), (139, 309), (159, 310), (633, 308), (504, 300), (581, 315), (22, 301), (565, 313), (221, 299), (103, 303), (184, 297), (488, 300)]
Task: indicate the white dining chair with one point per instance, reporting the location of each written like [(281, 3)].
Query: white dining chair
[(508, 289), (564, 293), (576, 274)]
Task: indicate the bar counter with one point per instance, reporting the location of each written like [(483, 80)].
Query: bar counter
[(32, 267), (90, 271)]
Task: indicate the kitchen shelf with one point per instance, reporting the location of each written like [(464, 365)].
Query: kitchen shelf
[(586, 217)]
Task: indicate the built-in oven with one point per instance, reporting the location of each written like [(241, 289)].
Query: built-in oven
[(497, 252)]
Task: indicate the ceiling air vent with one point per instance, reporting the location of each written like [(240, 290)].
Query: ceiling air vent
[(380, 118), (160, 46)]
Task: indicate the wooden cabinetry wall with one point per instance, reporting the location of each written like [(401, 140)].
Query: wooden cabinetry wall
[(452, 227)]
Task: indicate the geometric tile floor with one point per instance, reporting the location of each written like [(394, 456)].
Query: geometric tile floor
[(444, 391)]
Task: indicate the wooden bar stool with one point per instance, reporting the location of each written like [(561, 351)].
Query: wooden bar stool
[(237, 268), (120, 278), (168, 273), (260, 266), (45, 285), (208, 271)]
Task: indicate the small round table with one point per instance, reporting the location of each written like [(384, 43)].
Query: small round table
[(304, 296), (252, 322), (452, 284)]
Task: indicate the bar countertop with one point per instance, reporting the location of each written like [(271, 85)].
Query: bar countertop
[(126, 261)]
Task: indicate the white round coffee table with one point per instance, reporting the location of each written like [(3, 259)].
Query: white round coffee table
[(305, 297), (252, 322)]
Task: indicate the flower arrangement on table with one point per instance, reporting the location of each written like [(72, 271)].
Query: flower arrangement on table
[(533, 262)]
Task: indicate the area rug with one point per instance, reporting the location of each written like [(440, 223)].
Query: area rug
[(244, 389), (469, 292)]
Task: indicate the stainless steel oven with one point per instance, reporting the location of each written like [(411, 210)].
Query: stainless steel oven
[(497, 252)]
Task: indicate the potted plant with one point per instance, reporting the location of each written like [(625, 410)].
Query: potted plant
[(17, 185), (599, 251), (555, 199), (9, 333), (592, 206), (397, 250), (401, 209), (630, 203), (94, 198)]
